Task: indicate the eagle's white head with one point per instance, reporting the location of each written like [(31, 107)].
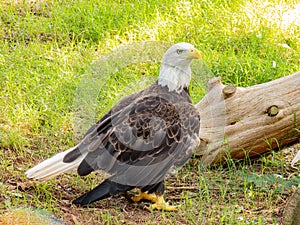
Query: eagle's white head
[(175, 71)]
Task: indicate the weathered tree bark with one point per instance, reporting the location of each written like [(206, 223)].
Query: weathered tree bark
[(240, 122), (291, 215)]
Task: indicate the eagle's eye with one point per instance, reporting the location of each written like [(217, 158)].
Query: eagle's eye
[(179, 51)]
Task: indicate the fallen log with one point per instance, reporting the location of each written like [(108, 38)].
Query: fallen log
[(238, 122)]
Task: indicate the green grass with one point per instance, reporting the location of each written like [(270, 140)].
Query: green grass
[(49, 48)]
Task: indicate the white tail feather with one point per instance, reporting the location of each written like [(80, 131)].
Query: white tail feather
[(53, 166), (296, 158)]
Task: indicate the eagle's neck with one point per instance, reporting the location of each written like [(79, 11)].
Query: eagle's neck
[(174, 77)]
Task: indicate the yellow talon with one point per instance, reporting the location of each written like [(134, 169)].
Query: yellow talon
[(144, 196), (161, 204)]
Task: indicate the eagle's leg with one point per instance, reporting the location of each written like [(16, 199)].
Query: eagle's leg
[(155, 195), (149, 192), (144, 196), (161, 204)]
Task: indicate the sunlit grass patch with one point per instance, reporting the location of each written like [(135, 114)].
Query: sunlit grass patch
[(284, 15)]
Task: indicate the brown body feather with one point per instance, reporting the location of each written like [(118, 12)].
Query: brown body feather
[(142, 129)]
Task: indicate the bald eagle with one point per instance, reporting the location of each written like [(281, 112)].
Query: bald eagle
[(140, 139)]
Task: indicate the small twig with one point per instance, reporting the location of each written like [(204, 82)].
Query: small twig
[(182, 188), (175, 198)]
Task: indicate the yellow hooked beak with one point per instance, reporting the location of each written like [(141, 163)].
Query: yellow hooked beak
[(194, 54)]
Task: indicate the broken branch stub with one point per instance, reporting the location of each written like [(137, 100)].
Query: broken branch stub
[(237, 122)]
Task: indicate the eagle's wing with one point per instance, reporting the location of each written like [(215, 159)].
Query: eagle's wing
[(140, 143)]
